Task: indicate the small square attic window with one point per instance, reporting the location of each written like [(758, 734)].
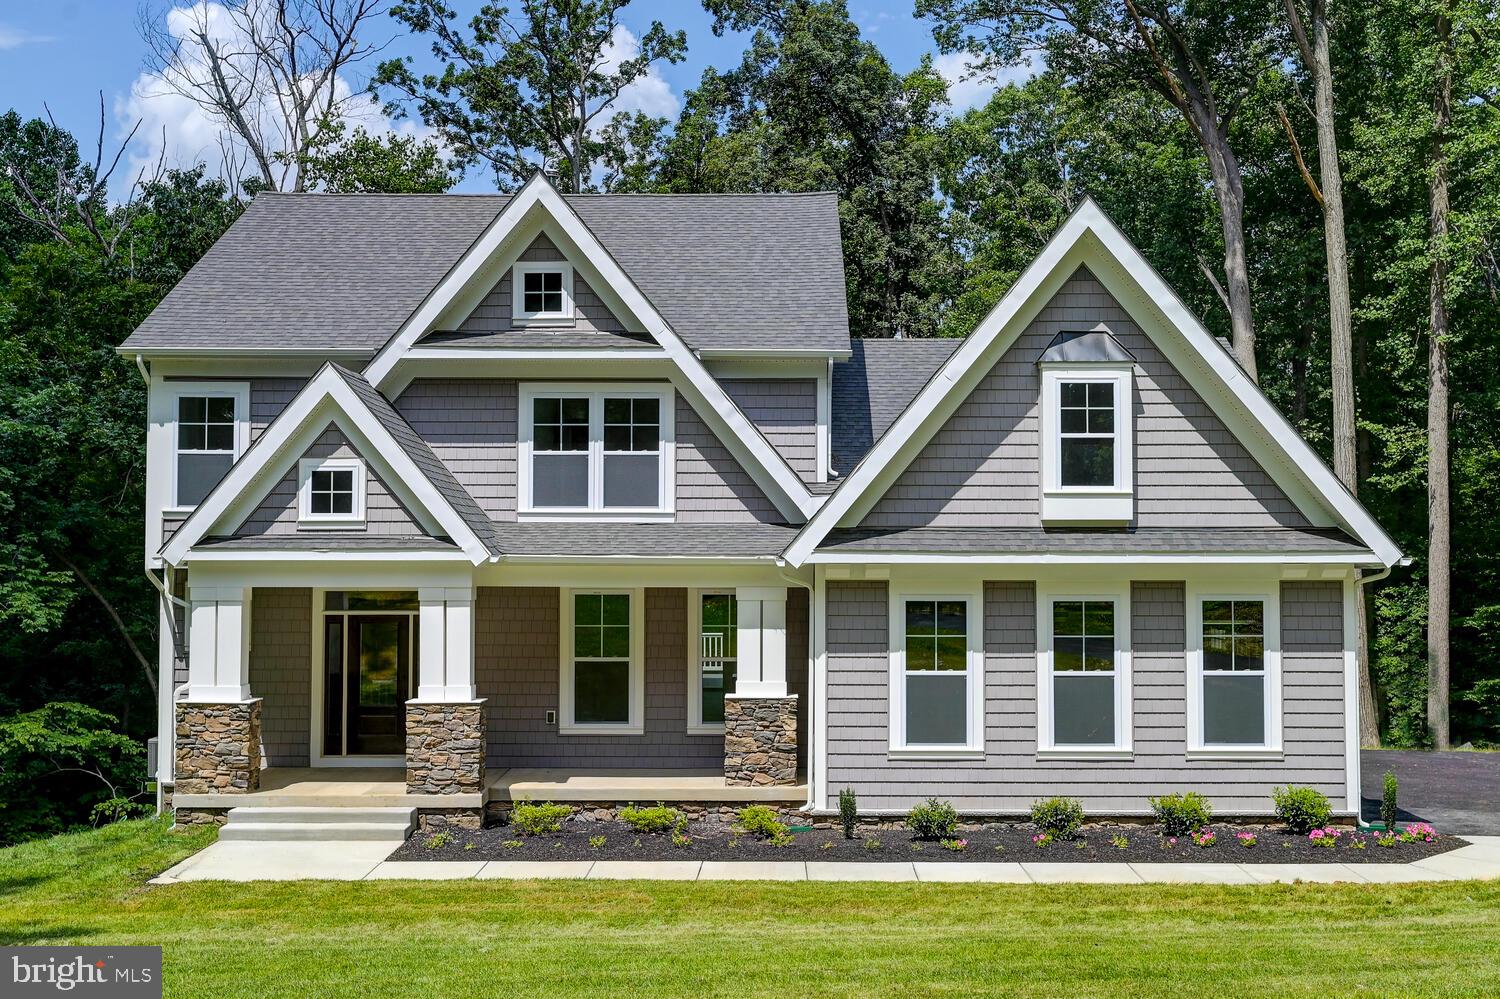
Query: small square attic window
[(542, 291)]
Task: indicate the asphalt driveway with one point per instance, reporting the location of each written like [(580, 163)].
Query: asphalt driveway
[(1456, 792)]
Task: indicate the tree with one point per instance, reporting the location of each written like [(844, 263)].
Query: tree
[(1439, 557), (518, 92), (1205, 60), (270, 72), (365, 163)]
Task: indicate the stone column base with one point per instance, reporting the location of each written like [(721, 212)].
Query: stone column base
[(760, 741), (445, 746), (218, 748)]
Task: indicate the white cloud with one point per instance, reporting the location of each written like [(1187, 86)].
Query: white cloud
[(650, 92), (14, 38), (176, 128), (968, 88)]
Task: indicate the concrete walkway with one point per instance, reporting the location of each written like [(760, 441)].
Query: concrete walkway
[(365, 861)]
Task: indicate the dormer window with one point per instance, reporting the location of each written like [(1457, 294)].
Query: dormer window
[(1086, 422), (542, 292), (331, 492)]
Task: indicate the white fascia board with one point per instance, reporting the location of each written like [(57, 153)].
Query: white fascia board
[(769, 469), (548, 354), (1087, 237), (275, 451), (321, 556), (1081, 558)]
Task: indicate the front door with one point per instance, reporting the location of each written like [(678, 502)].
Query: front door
[(377, 671)]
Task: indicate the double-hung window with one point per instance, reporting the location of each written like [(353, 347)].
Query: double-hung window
[(1087, 444), (715, 655), (596, 452), (1235, 684), (542, 292), (209, 427), (937, 684), (1084, 675), (602, 672), (331, 492)]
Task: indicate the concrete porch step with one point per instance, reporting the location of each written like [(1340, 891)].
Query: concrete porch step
[(259, 824)]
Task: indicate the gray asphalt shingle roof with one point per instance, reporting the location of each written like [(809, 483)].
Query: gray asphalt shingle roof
[(645, 540), (325, 271), (874, 386), (1144, 540)]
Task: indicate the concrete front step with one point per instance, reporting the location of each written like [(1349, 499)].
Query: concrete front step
[(249, 823)]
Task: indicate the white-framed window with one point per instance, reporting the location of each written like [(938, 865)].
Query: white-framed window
[(210, 424), (542, 292), (1083, 674), (1087, 443), (1234, 673), (937, 675), (713, 655), (596, 451), (602, 680), (331, 492)]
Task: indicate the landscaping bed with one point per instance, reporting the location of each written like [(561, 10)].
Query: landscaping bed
[(614, 840)]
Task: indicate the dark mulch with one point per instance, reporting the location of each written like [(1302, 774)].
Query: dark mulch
[(715, 841)]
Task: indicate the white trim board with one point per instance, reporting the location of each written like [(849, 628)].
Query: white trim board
[(1089, 238), (536, 208), (326, 398)]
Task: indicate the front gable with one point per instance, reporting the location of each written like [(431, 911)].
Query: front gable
[(982, 467), (1203, 416)]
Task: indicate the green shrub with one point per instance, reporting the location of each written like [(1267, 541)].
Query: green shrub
[(933, 819), (1182, 814), (848, 811), (1059, 816), (657, 818), (761, 821), (1388, 800), (538, 820), (1303, 809)]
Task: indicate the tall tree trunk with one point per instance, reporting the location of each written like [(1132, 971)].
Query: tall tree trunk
[(1438, 551), (1229, 189)]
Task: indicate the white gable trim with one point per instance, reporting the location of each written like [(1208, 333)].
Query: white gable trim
[(1089, 238), (326, 398), (764, 464)]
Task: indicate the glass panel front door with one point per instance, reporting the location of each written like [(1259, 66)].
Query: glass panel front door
[(378, 669)]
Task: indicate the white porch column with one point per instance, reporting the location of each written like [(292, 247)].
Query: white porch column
[(445, 657), (219, 644), (761, 638)]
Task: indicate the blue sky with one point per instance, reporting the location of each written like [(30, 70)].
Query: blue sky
[(65, 52)]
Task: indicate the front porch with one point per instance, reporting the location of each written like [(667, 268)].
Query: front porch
[(386, 787)]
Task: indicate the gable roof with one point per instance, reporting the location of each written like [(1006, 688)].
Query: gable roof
[(360, 412), (874, 386), (1090, 238), (322, 273)]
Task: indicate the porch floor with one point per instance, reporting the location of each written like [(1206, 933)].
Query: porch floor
[(385, 787)]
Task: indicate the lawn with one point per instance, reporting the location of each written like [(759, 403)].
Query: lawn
[(436, 940)]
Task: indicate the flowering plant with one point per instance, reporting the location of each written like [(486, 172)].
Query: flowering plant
[(1419, 831), (1042, 839), (1204, 838), (1247, 839), (1390, 840), (956, 845), (1119, 841), (1326, 837)]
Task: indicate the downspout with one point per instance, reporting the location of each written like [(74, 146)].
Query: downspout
[(812, 612), (1361, 580)]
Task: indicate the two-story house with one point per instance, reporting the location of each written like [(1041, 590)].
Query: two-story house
[(455, 500)]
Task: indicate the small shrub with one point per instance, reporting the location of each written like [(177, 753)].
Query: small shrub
[(1246, 839), (848, 811), (933, 819), (538, 820), (872, 845), (916, 847), (470, 846), (1388, 809), (438, 841), (1059, 816), (734, 842), (1043, 840), (955, 845), (1303, 809), (1389, 841), (681, 840), (827, 844), (1204, 838), (1080, 845), (1120, 841), (761, 821), (512, 844), (597, 842), (657, 818), (1325, 838), (1181, 814), (1358, 843)]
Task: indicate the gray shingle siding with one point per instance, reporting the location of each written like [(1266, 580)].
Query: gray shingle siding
[(517, 664), (1010, 777), (470, 423), (785, 410), (493, 314), (1312, 616), (982, 468), (711, 485), (277, 512), (268, 397), (281, 671)]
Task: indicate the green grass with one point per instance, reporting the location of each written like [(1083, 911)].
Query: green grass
[(434, 940)]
